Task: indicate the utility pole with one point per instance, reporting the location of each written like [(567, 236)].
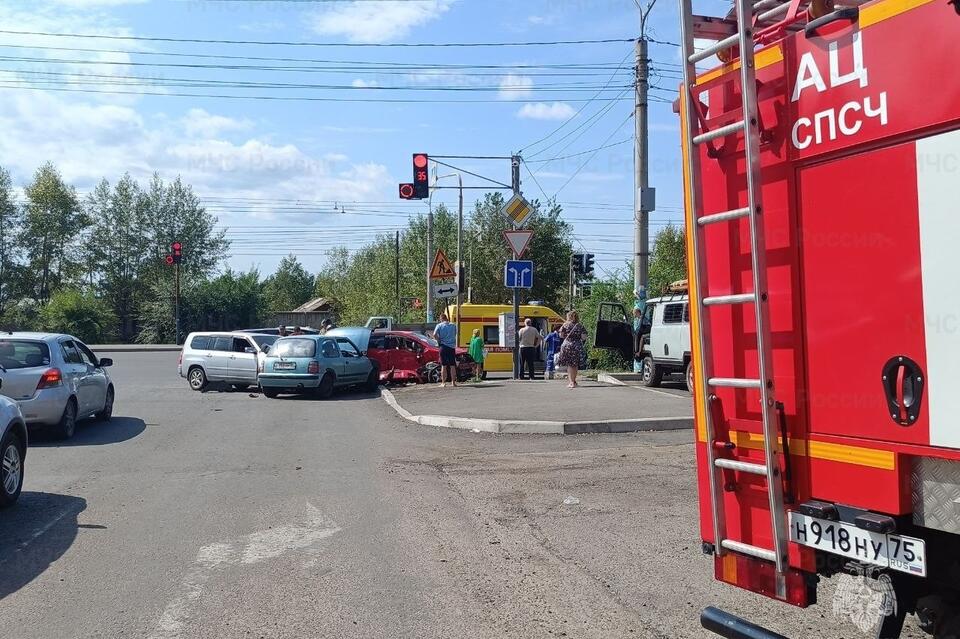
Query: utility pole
[(459, 254), (396, 252), (430, 249), (176, 303), (515, 182), (643, 195)]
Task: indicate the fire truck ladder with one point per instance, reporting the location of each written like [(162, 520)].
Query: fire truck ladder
[(741, 35)]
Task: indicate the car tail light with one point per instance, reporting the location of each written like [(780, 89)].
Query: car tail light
[(51, 378), (313, 368)]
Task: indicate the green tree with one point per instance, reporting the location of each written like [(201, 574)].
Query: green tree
[(10, 227), (668, 260), (289, 287), (52, 229), (118, 247), (80, 314)]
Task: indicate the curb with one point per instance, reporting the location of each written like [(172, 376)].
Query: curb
[(523, 427), (134, 348)]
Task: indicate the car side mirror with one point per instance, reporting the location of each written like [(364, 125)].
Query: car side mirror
[(250, 349), (105, 362)]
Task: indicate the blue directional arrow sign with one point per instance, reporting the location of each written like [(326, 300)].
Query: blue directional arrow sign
[(518, 274)]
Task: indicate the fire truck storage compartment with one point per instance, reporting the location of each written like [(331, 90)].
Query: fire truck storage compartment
[(880, 259)]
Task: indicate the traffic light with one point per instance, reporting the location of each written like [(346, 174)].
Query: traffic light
[(176, 249), (576, 259), (168, 260), (421, 176), (407, 191), (588, 264)]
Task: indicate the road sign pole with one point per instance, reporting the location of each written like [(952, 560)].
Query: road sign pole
[(515, 181), (459, 264), (176, 303)]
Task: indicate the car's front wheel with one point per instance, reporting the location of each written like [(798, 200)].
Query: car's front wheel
[(373, 380), (11, 469), (106, 414), (650, 373)]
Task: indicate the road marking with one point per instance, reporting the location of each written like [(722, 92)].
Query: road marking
[(249, 549)]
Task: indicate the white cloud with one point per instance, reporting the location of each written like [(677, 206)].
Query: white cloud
[(515, 87), (360, 83), (199, 123), (544, 111), (361, 21), (541, 20)]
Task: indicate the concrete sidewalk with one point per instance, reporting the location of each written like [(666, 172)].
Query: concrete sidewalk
[(510, 406)]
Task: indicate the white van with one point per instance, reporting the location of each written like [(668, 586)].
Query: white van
[(666, 348)]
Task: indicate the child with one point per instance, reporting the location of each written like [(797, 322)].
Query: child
[(476, 352)]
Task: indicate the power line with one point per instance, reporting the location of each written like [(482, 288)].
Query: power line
[(281, 98), (288, 43), (579, 111), (588, 160)]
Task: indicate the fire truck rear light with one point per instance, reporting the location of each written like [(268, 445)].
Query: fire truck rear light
[(743, 298), (726, 625), (50, 379), (747, 549), (743, 467), (760, 576), (734, 382), (726, 215), (875, 523), (719, 132), (820, 510)]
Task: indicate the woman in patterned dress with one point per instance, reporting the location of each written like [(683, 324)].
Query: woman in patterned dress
[(573, 350)]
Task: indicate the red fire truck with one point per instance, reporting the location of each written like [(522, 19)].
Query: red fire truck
[(822, 197)]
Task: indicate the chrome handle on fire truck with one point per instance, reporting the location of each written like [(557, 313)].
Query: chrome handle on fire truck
[(734, 382), (719, 132), (747, 549), (743, 467), (742, 298), (733, 214)]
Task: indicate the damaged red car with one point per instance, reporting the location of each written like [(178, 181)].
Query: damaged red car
[(404, 356)]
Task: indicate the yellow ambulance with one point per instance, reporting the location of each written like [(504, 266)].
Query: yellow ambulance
[(486, 317)]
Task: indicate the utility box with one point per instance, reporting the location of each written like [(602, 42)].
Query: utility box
[(508, 330)]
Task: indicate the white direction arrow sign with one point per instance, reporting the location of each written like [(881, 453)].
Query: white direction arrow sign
[(444, 290), (518, 241)]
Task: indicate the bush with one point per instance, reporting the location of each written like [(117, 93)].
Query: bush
[(80, 314)]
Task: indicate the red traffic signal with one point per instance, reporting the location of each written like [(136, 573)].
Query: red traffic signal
[(421, 176), (177, 249), (406, 191), (168, 260)]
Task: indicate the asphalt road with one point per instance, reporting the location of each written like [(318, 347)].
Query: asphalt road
[(228, 515)]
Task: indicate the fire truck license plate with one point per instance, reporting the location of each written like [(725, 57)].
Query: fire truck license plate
[(906, 554)]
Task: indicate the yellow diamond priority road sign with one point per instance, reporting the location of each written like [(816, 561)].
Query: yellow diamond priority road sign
[(517, 210)]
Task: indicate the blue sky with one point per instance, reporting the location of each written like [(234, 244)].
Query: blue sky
[(301, 176)]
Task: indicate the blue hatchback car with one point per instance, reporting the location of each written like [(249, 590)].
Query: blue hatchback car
[(315, 364)]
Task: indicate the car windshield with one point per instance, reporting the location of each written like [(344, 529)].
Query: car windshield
[(264, 340), (16, 353), (294, 347), (429, 340)]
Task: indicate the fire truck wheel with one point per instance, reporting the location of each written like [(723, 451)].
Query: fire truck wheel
[(690, 376), (650, 373)]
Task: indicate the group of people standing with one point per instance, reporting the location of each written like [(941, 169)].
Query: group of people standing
[(565, 346)]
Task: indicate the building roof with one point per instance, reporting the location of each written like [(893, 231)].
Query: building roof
[(314, 305)]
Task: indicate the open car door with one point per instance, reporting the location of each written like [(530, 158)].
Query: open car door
[(614, 330)]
